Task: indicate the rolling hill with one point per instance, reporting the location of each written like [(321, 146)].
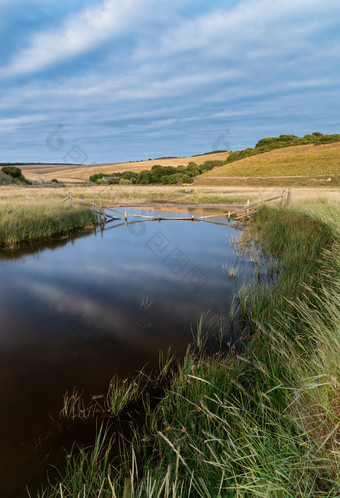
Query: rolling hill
[(80, 174), (301, 160)]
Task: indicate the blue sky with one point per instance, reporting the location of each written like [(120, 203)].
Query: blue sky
[(116, 80)]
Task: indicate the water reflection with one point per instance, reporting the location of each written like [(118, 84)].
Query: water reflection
[(76, 312)]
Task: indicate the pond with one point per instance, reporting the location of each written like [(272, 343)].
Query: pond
[(74, 312)]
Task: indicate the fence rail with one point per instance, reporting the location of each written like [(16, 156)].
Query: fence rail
[(247, 212)]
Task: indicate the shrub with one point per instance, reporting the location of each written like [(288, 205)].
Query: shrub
[(187, 179), (15, 173), (208, 165), (165, 180), (156, 173), (193, 169), (54, 180), (175, 178), (144, 178), (170, 170), (12, 171), (98, 176), (129, 175)]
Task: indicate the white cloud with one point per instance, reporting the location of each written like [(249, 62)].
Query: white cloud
[(254, 27), (259, 60), (78, 34), (8, 124)]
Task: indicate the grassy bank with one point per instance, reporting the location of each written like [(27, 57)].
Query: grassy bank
[(24, 220), (264, 423)]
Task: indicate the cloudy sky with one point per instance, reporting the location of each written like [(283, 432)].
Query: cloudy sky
[(93, 81)]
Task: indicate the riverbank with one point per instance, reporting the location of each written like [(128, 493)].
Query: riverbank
[(264, 422), (26, 219)]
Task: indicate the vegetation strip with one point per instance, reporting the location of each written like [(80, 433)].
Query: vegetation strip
[(22, 222), (262, 423), (164, 175)]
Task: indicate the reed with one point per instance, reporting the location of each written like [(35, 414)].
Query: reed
[(24, 220)]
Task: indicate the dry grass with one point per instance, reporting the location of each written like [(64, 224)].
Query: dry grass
[(133, 195), (130, 195), (301, 160), (66, 173), (323, 181)]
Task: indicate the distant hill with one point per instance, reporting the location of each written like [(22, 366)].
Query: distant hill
[(301, 160), (67, 173)]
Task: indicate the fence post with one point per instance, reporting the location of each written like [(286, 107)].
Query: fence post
[(262, 201), (289, 198), (71, 200), (248, 202), (283, 198)]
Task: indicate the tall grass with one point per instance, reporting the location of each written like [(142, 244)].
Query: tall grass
[(264, 423), (26, 220)]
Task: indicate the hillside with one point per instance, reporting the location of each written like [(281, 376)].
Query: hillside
[(302, 160), (79, 174)]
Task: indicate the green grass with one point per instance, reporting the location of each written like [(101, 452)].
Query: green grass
[(22, 221), (264, 423)]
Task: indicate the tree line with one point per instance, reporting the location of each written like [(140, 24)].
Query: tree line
[(165, 175)]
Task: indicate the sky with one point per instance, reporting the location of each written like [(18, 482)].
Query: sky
[(93, 81)]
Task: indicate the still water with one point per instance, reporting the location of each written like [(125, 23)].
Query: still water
[(77, 311)]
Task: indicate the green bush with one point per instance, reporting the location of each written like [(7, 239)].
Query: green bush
[(144, 178), (98, 176), (187, 179), (175, 178), (165, 180), (54, 180), (208, 165), (128, 175), (15, 173), (181, 169), (12, 171), (156, 173)]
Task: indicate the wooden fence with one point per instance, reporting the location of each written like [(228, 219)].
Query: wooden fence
[(249, 210)]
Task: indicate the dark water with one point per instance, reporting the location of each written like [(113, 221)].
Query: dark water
[(78, 311)]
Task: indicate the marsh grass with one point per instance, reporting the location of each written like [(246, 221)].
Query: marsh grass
[(23, 220), (261, 423), (232, 271)]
